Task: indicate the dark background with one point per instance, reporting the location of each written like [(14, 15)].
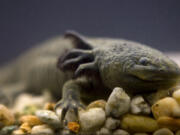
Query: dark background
[(24, 23)]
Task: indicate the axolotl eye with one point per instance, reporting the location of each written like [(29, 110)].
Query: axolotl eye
[(144, 61)]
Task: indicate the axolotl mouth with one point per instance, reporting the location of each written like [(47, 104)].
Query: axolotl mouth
[(150, 73), (164, 77)]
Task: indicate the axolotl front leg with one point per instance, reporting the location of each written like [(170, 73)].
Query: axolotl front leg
[(81, 61), (70, 98)]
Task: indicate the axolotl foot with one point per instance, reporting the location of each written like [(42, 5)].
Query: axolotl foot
[(68, 104), (81, 60)]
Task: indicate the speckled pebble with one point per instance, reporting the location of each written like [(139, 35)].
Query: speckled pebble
[(136, 123), (139, 106), (163, 131), (92, 119), (49, 118), (73, 127), (118, 103), (112, 123), (103, 131), (42, 129), (120, 132), (166, 107), (8, 130)]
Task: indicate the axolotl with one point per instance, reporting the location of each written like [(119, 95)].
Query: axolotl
[(84, 69)]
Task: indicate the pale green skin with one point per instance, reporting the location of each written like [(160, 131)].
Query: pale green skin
[(116, 60)]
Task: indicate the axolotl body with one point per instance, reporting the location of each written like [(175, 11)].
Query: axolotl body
[(89, 68)]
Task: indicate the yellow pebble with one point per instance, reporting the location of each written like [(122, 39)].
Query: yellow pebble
[(166, 107), (25, 127), (6, 116), (18, 132), (49, 106), (169, 122), (31, 120), (97, 104), (176, 95)]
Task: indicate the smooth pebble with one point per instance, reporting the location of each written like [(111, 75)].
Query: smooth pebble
[(120, 132), (137, 123), (42, 129), (169, 122), (32, 120), (70, 115), (6, 116), (176, 95), (166, 107), (26, 128), (49, 118), (118, 103), (97, 104), (19, 132), (163, 131), (140, 134), (92, 119), (178, 132)]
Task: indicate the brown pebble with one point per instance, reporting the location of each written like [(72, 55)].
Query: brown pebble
[(31, 120), (6, 116), (97, 104), (26, 128), (166, 107), (73, 126), (49, 106), (138, 123), (178, 132), (169, 122)]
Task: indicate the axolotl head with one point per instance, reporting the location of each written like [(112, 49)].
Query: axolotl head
[(140, 68), (130, 65)]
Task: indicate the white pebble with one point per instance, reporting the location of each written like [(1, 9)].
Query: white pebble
[(103, 131), (118, 103), (112, 123), (42, 129), (49, 117), (92, 119), (70, 115), (139, 106)]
